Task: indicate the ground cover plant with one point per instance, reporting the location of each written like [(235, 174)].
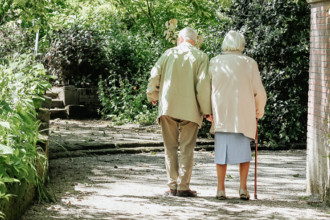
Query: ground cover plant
[(22, 85)]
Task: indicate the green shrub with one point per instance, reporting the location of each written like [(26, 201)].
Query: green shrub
[(22, 83), (123, 91), (75, 56), (14, 39)]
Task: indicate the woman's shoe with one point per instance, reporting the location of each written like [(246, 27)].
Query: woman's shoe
[(221, 195), (170, 192), (244, 194)]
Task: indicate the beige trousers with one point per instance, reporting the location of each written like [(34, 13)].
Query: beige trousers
[(177, 133)]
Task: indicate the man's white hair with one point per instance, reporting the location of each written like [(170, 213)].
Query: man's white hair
[(233, 41), (188, 33)]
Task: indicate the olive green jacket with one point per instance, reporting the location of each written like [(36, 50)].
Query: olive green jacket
[(180, 82)]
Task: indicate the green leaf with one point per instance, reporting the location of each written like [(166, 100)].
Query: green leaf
[(5, 124), (6, 149), (9, 180)]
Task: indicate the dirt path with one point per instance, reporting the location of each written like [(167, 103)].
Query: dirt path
[(131, 186)]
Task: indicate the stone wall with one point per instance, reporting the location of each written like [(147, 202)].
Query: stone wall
[(318, 128)]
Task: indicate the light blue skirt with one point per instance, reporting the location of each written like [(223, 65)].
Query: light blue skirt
[(231, 148)]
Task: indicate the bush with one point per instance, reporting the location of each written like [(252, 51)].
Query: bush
[(22, 83), (75, 56), (277, 37), (14, 39), (123, 91)]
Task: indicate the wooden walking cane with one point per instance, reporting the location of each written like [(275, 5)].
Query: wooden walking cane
[(255, 165)]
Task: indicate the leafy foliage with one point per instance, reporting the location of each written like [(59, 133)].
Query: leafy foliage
[(122, 91), (13, 39), (75, 56), (22, 84), (31, 14)]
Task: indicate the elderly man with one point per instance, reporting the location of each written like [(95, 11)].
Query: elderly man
[(181, 82)]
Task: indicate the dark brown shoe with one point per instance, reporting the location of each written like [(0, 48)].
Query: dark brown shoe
[(171, 192), (186, 193)]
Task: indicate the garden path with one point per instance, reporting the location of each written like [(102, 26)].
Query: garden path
[(131, 186)]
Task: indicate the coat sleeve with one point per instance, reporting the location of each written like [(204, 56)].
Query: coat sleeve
[(203, 86), (154, 81), (260, 96)]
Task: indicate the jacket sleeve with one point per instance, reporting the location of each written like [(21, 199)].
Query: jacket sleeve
[(203, 86), (260, 96), (154, 81)]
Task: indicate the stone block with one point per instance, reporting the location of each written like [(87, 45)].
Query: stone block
[(69, 95), (47, 103), (58, 113), (57, 103), (43, 115), (81, 112), (76, 111), (51, 94), (14, 208), (44, 128), (88, 96), (43, 144)]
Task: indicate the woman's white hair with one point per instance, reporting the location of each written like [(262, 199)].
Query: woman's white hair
[(233, 41), (188, 33)]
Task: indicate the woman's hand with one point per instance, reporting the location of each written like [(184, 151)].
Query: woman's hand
[(209, 118)]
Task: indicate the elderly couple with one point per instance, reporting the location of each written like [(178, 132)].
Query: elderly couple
[(227, 91)]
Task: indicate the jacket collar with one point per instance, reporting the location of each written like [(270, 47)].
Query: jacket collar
[(233, 52), (186, 44)]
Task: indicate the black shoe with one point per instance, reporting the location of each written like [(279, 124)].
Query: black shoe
[(186, 193)]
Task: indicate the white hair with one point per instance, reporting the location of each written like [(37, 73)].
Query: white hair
[(233, 41), (188, 33)]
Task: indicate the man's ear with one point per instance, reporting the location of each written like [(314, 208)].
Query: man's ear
[(180, 40)]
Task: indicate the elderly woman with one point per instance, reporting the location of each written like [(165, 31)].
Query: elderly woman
[(238, 99)]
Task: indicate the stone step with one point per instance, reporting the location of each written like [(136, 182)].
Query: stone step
[(47, 102), (57, 103), (81, 112), (43, 114), (58, 113), (51, 94)]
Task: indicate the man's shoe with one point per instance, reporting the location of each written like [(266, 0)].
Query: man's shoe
[(244, 194), (186, 193), (171, 192), (221, 195)]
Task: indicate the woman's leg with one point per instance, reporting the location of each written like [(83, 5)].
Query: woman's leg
[(221, 173), (243, 173)]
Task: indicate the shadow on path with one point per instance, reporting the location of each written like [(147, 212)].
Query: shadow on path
[(131, 186)]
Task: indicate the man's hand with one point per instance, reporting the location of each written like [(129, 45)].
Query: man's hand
[(209, 117), (154, 103)]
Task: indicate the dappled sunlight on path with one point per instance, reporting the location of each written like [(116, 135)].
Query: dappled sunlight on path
[(131, 186)]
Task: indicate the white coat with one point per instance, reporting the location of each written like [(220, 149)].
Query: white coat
[(238, 95)]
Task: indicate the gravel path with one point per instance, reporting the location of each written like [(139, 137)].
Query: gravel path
[(131, 186)]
